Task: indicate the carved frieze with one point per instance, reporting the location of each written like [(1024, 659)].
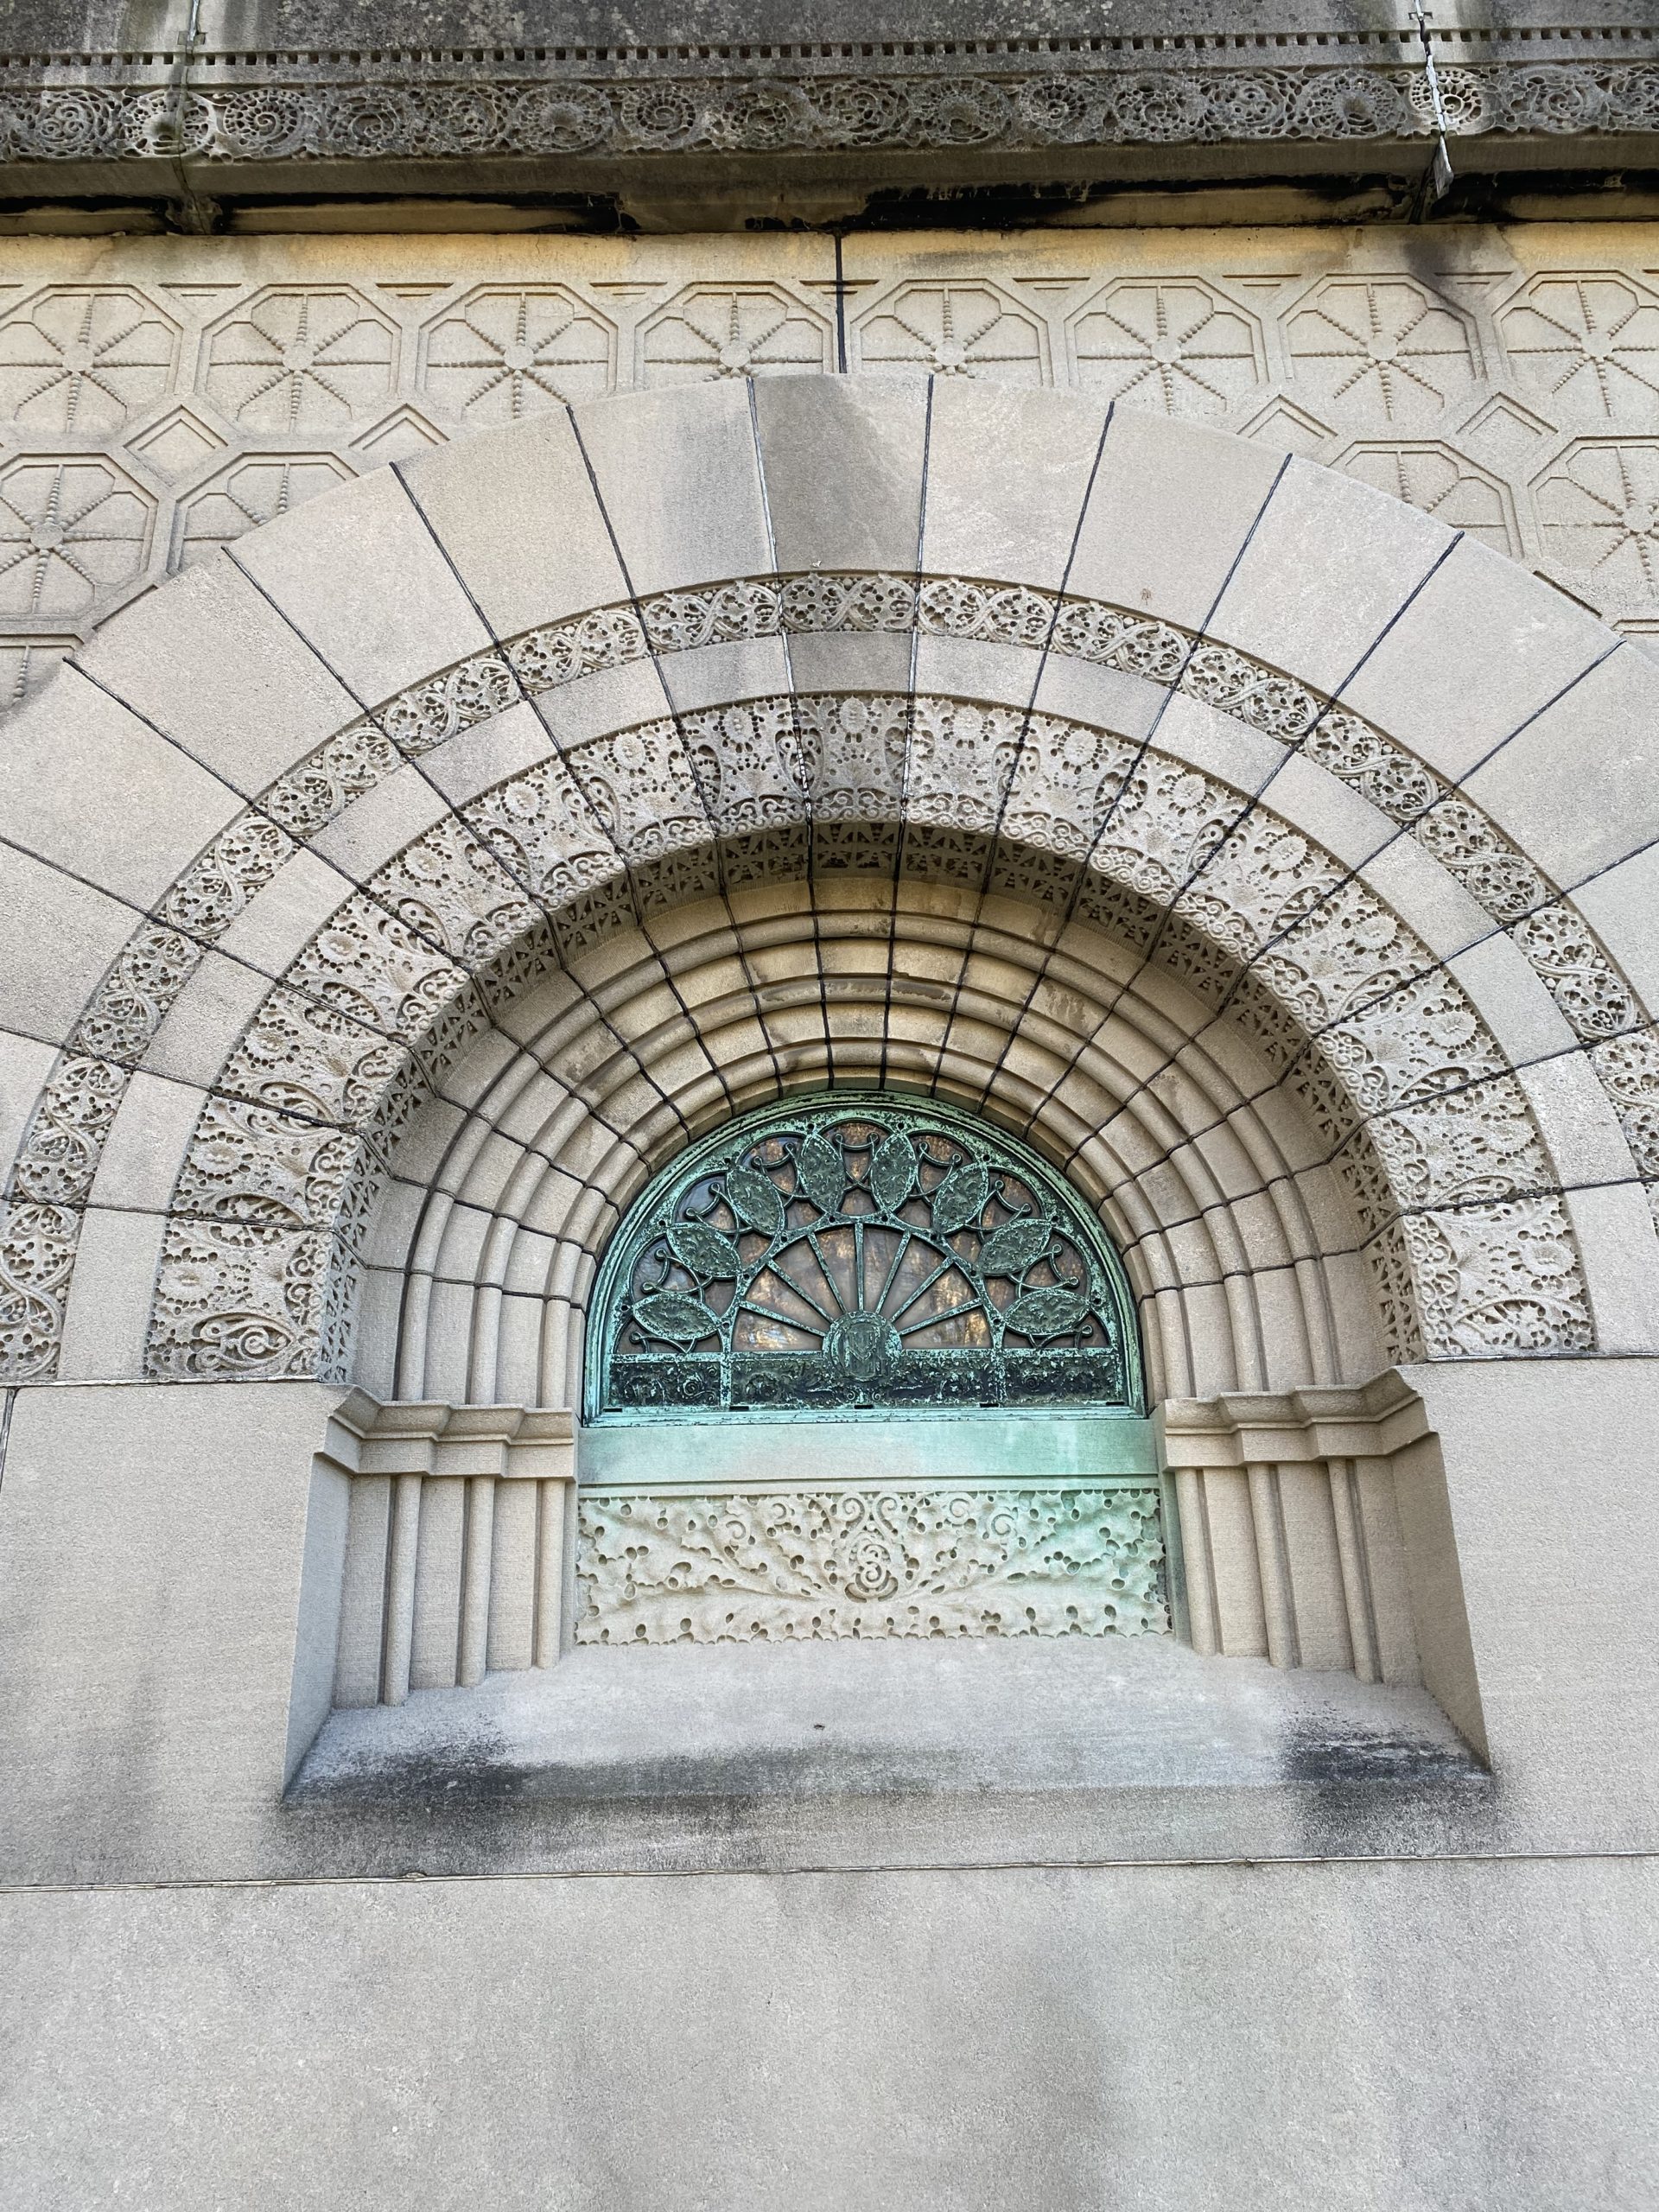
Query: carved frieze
[(803, 1564), (294, 111)]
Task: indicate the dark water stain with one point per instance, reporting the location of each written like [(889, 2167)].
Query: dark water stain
[(1316, 1755)]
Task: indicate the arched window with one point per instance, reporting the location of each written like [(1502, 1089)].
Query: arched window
[(861, 1365), (849, 1254)]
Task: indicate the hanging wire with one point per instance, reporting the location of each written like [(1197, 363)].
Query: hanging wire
[(1439, 180)]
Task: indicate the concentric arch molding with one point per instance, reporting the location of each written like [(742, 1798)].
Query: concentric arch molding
[(1466, 1233), (53, 1174)]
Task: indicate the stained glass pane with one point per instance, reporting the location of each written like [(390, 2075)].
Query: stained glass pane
[(849, 1253)]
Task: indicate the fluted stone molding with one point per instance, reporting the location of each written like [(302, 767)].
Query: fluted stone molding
[(1345, 796), (456, 1547), (1291, 1509)]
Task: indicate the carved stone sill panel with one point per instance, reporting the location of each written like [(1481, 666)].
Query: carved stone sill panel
[(800, 1565)]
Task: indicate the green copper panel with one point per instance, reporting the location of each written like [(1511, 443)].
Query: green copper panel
[(1055, 1447), (853, 1254)]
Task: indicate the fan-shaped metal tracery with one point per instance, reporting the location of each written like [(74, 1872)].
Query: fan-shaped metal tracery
[(854, 1252)]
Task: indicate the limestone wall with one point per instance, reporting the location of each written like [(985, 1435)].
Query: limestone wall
[(957, 1923), (160, 396)]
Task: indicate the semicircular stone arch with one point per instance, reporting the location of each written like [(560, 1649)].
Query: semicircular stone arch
[(643, 665), (481, 1262), (1415, 1103)]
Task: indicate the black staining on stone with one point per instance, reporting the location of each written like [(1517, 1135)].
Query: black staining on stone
[(467, 1807), (469, 1779), (1312, 1756), (1364, 1796)]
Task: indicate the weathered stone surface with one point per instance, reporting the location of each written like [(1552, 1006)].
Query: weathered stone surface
[(1511, 399), (589, 101), (1451, 2034), (680, 768), (392, 895)]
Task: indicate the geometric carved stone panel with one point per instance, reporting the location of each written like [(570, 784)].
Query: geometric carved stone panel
[(220, 381)]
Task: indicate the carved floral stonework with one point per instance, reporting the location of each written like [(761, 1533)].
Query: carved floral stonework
[(1012, 94), (1389, 1054), (800, 1565), (638, 818)]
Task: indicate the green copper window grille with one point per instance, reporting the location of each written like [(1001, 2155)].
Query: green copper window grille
[(853, 1253)]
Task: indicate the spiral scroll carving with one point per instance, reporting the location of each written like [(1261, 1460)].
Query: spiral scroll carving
[(404, 115)]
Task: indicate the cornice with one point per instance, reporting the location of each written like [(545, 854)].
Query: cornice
[(1542, 42), (567, 111)]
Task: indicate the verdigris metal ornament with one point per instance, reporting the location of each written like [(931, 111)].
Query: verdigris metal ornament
[(859, 1252)]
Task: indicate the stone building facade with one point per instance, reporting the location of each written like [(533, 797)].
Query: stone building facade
[(829, 1285)]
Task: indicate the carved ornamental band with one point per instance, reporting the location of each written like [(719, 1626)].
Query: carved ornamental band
[(572, 107)]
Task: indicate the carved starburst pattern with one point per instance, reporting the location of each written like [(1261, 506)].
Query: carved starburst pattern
[(1176, 346), (299, 360), (747, 330), (954, 330), (71, 530), (1600, 507), (1381, 351), (507, 353), (1587, 345), (83, 359)]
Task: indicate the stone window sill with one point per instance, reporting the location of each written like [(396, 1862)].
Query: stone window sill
[(893, 1753)]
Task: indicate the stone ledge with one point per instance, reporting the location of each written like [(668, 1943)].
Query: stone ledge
[(966, 1753)]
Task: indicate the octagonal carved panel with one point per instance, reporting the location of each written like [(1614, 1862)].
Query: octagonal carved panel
[(84, 358), (72, 528), (510, 351), (1381, 353), (1587, 348), (257, 488), (299, 360), (739, 330), (1598, 510), (954, 330), (1175, 345), (1435, 477)]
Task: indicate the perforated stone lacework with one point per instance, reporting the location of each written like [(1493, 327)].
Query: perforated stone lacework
[(1556, 942), (852, 1253), (807, 1565), (571, 837)]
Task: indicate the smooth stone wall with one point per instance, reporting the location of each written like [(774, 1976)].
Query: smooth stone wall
[(1334, 2039)]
